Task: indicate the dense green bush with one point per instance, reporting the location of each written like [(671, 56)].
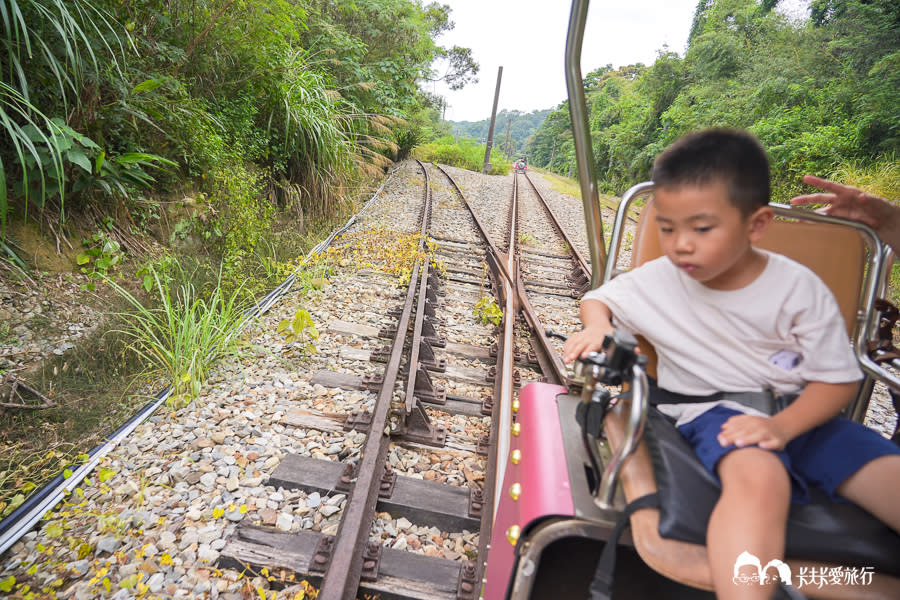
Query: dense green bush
[(819, 93)]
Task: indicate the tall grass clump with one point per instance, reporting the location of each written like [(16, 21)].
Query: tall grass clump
[(185, 334), (881, 177)]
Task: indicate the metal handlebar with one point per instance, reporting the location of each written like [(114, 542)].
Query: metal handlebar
[(619, 362)]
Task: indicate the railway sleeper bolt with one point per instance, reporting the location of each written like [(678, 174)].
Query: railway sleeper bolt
[(487, 406), (493, 350), (322, 554), (484, 442), (381, 354), (388, 480), (491, 375), (476, 502), (372, 381), (371, 560), (388, 332), (468, 581), (345, 481), (360, 420)]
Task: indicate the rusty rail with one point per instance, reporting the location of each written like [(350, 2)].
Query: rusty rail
[(342, 576)]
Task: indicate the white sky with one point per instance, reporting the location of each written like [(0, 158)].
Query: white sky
[(528, 39)]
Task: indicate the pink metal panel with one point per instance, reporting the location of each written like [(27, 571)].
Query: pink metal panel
[(542, 474)]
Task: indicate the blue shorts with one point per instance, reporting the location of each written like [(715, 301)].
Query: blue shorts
[(822, 457)]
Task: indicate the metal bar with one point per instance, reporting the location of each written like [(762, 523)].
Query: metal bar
[(615, 240), (503, 404), (584, 155), (551, 362), (492, 248), (634, 429)]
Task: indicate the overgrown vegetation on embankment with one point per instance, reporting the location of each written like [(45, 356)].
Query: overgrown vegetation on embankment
[(821, 94), (465, 153), (174, 159)]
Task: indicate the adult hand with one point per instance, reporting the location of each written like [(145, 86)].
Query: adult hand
[(848, 202)]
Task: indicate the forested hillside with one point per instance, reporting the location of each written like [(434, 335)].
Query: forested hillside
[(249, 108), (822, 95), (519, 125)]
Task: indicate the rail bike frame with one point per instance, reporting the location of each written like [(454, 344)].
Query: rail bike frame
[(557, 508)]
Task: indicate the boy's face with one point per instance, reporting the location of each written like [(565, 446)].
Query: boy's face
[(705, 235)]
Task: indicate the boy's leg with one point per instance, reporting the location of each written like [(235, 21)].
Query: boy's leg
[(876, 488), (750, 516)]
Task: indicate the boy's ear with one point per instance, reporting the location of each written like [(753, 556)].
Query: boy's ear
[(758, 223)]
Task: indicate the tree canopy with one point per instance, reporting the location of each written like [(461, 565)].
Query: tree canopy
[(820, 93)]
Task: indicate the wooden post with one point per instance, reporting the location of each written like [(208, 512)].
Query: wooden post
[(490, 140)]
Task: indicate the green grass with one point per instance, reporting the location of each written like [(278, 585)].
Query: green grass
[(184, 335)]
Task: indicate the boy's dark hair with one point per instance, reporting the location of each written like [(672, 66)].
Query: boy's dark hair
[(732, 156)]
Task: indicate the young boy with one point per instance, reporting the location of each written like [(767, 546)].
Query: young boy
[(725, 316)]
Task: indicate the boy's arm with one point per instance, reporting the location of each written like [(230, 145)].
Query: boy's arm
[(816, 404), (597, 320)]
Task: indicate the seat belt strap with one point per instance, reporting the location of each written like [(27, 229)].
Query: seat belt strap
[(601, 586)]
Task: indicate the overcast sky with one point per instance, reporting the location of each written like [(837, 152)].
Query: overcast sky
[(528, 39)]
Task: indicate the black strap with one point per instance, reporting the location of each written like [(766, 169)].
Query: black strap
[(601, 586)]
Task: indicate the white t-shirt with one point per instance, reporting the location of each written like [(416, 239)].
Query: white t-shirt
[(780, 332)]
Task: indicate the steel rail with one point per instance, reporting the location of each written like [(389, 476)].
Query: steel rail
[(492, 247), (499, 433), (342, 575), (580, 262)]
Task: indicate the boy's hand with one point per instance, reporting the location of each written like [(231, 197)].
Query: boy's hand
[(589, 339), (749, 430)]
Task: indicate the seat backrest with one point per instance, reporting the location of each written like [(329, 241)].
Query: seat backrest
[(836, 253)]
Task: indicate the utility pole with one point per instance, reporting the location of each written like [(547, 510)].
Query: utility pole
[(506, 146), (490, 141)]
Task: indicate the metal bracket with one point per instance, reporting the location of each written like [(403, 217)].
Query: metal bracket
[(420, 429), (371, 560), (381, 354), (429, 360), (487, 406), (388, 332), (484, 442), (426, 390), (430, 334), (476, 501), (388, 480)]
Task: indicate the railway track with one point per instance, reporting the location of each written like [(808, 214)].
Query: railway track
[(276, 477)]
